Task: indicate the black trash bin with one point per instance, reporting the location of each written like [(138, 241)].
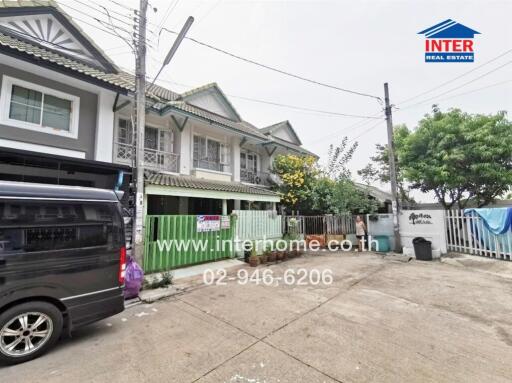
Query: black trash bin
[(422, 249)]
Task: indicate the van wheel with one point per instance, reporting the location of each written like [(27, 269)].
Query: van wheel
[(28, 330)]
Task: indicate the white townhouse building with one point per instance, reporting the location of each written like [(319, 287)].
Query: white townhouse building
[(66, 117)]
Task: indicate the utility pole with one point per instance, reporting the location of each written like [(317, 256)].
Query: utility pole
[(140, 117), (392, 171)]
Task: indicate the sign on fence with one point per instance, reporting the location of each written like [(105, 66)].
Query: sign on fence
[(207, 223)]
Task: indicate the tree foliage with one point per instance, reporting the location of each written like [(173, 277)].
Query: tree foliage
[(338, 158), (298, 174), (458, 156), (340, 196), (330, 190)]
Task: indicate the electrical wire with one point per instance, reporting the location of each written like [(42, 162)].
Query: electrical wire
[(283, 72), (460, 94), (460, 86), (288, 106), (365, 132), (356, 125), (455, 78), (302, 108)]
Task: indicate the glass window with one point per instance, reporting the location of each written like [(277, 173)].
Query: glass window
[(27, 226), (151, 138), (56, 112), (39, 108), (25, 105), (242, 160)]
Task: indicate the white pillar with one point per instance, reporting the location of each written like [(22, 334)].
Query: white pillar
[(235, 158), (185, 150), (224, 207), (237, 204), (274, 206), (104, 142)]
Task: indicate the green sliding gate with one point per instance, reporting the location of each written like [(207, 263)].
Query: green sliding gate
[(173, 241)]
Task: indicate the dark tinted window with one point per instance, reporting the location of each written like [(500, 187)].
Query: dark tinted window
[(30, 225)]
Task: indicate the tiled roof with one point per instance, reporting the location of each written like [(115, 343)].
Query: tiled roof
[(53, 4), (289, 145), (242, 127), (197, 183), (122, 80)]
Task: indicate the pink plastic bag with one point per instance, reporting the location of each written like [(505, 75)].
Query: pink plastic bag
[(133, 280)]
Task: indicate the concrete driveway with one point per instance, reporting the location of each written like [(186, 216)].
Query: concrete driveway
[(380, 321)]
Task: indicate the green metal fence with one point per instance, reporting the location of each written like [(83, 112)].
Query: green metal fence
[(172, 241)]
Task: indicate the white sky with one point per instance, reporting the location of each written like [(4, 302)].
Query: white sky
[(357, 45)]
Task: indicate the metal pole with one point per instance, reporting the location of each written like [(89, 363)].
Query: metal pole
[(140, 105), (392, 171)]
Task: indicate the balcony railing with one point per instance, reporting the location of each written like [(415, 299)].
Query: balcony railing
[(254, 177), (212, 165), (153, 159)]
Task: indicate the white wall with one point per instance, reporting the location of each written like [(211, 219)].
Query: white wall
[(430, 224), (211, 101)]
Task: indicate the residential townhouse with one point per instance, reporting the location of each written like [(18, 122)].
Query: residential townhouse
[(66, 117)]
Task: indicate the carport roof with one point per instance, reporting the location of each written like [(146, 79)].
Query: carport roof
[(202, 184)]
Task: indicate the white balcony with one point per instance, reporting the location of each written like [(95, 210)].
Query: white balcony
[(157, 160)]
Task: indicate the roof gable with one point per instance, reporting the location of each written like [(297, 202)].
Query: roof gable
[(46, 25), (449, 29), (210, 97), (284, 131)]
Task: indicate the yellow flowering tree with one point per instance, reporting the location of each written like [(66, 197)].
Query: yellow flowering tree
[(298, 174)]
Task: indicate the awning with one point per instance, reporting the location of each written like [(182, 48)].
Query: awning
[(186, 186)]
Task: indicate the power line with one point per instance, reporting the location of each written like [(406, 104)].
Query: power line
[(288, 106), (460, 86), (365, 132), (460, 94), (278, 70), (302, 108), (122, 5), (103, 10), (86, 22), (167, 13), (94, 17), (456, 78), (356, 125), (107, 24)]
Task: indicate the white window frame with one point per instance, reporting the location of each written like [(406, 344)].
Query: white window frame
[(160, 128), (5, 104), (222, 145), (252, 153)]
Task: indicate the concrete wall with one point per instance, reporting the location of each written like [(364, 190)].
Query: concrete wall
[(87, 118), (430, 224)]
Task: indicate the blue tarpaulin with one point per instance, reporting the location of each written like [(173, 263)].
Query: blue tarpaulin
[(496, 220)]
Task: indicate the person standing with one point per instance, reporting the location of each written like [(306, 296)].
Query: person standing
[(360, 232)]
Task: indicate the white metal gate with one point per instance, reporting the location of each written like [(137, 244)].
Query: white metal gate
[(468, 234)]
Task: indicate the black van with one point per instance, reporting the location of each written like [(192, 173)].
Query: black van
[(62, 264)]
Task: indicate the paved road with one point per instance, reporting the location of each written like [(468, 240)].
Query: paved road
[(380, 321)]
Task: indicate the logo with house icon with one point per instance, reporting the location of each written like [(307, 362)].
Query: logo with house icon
[(449, 41)]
